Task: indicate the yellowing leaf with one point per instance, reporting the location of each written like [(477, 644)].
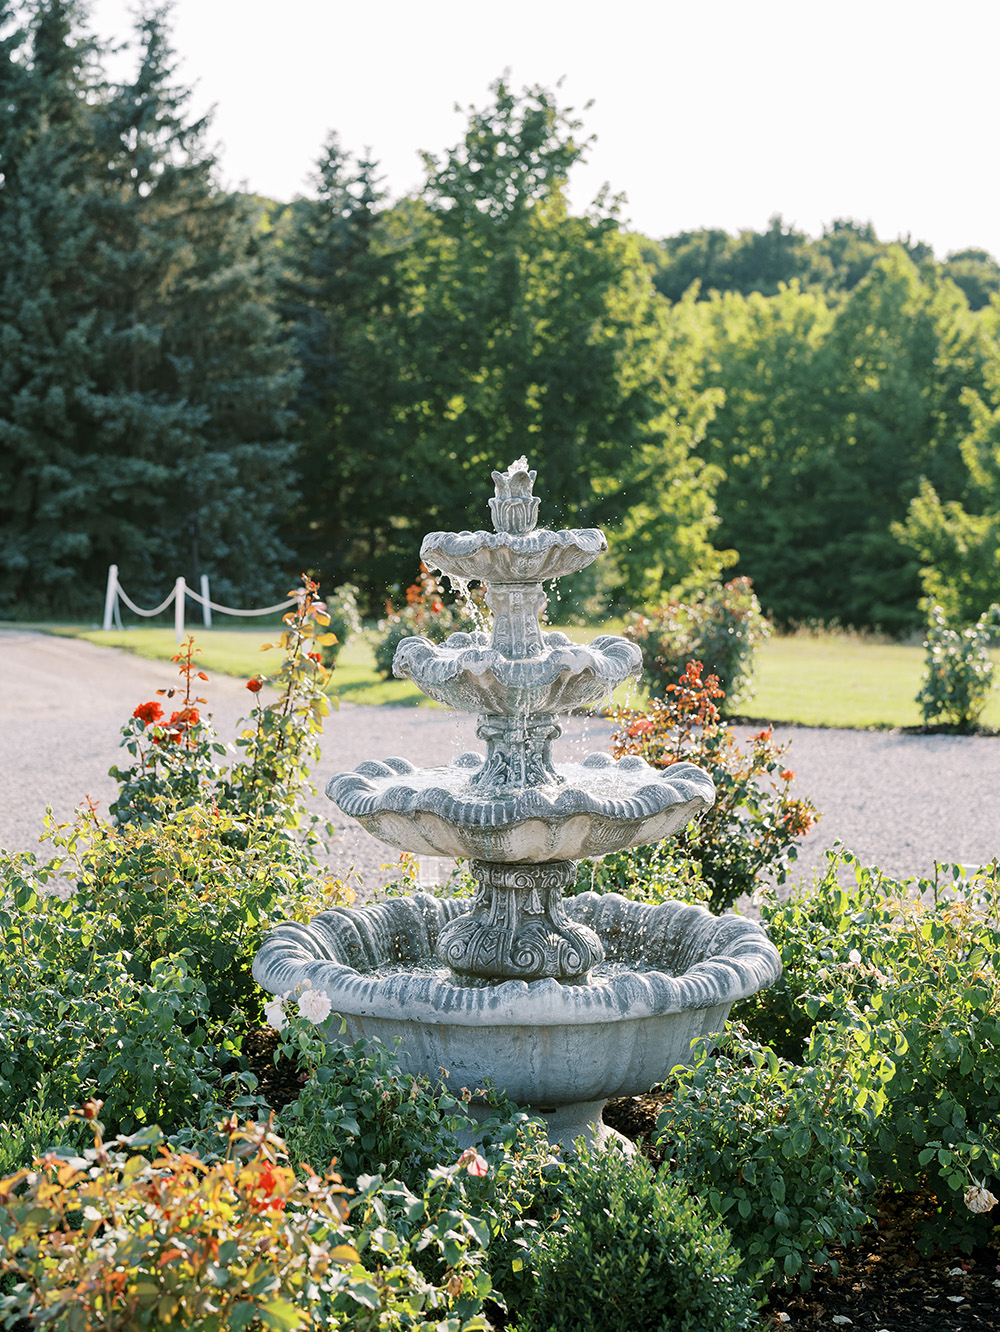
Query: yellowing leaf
[(327, 640), (344, 1253), (281, 1315)]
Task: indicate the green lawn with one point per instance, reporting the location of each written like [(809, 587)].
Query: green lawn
[(238, 652), (833, 680), (836, 680)]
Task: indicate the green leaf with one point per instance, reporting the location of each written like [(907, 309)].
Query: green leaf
[(280, 1315), (242, 1315)]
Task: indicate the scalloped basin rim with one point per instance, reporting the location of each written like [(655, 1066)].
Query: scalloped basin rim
[(654, 790), (611, 659), (541, 538), (599, 807), (725, 958)]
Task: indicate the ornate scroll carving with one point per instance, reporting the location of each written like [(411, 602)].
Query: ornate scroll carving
[(518, 928)]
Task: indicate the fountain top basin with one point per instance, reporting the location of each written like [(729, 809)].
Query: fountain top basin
[(513, 557)]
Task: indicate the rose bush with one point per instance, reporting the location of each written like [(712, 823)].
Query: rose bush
[(722, 627), (752, 829), (427, 614)]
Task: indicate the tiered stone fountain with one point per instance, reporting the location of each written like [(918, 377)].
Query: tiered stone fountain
[(562, 1004)]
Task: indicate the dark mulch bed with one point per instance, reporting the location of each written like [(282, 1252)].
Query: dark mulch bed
[(883, 1284), (277, 1083)]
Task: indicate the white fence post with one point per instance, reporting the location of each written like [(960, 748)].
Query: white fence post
[(111, 596), (206, 609), (180, 593)]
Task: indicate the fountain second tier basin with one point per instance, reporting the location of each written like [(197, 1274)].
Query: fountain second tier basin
[(466, 673), (671, 974), (593, 808)]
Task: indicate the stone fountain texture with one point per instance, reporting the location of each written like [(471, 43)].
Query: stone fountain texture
[(560, 1003)]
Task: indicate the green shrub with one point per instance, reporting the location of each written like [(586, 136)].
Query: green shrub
[(345, 620), (77, 1021), (35, 1128), (775, 1150), (356, 1105), (722, 627), (752, 828), (136, 986), (958, 669), (630, 1249), (908, 973), (196, 881), (658, 872)]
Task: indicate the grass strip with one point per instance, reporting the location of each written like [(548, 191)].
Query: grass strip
[(824, 680)]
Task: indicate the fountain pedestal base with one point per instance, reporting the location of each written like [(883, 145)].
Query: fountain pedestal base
[(518, 928), (563, 1124)]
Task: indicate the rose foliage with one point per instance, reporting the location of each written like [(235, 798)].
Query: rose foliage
[(750, 831)]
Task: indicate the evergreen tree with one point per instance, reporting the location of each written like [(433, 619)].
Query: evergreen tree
[(141, 416), (339, 296), (48, 247)]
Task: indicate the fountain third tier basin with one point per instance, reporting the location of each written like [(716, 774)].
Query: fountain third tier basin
[(671, 974), (597, 807)]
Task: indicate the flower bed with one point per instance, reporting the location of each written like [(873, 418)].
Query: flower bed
[(153, 1142)]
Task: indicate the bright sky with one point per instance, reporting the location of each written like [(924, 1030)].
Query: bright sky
[(715, 113)]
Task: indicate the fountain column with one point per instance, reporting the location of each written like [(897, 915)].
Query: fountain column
[(518, 928)]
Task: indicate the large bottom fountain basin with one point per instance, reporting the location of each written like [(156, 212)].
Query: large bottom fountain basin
[(544, 1067), (671, 974)]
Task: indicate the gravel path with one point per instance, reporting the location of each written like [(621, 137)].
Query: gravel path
[(899, 801)]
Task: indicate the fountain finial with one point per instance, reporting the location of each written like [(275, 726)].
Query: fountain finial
[(514, 508)]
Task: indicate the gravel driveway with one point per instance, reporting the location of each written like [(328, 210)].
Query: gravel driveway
[(899, 801)]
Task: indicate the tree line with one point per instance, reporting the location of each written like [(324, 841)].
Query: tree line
[(193, 380)]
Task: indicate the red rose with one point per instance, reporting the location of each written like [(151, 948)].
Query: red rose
[(148, 713), (255, 686), (786, 774)]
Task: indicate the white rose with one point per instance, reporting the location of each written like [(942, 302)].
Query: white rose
[(275, 1014), (978, 1199), (315, 1006)]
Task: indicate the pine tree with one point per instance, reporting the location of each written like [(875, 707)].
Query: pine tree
[(339, 297), (48, 244), (142, 420)]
